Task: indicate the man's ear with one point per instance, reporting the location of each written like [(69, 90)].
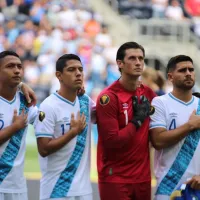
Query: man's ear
[(169, 76), (59, 75), (120, 64)]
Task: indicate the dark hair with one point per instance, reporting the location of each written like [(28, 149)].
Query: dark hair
[(3, 54), (125, 46), (175, 60), (61, 62)]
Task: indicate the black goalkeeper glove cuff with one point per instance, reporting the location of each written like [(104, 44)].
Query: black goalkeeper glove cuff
[(137, 123)]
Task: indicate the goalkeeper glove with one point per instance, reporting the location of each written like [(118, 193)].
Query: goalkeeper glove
[(141, 111)]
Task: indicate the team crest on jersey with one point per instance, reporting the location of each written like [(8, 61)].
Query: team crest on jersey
[(104, 100), (152, 110), (41, 116)]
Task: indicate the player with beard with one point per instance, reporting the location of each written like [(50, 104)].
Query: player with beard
[(174, 131)]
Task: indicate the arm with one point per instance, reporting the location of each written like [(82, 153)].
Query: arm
[(19, 122), (47, 146), (163, 138), (107, 122)]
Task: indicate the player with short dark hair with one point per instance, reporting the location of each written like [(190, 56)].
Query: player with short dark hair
[(63, 131), (123, 111), (14, 118), (174, 131)]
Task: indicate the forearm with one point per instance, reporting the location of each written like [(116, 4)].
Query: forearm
[(53, 145), (118, 138), (7, 133), (166, 139)]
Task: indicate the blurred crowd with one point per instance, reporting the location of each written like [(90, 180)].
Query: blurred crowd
[(41, 31), (179, 10)]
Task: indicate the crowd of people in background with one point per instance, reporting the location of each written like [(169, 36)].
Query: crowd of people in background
[(178, 10), (39, 32)]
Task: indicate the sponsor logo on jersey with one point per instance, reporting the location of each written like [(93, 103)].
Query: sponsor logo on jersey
[(125, 106), (1, 115), (66, 119), (41, 116), (173, 114), (104, 100)]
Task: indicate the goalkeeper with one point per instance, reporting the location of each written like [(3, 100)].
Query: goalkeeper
[(123, 111)]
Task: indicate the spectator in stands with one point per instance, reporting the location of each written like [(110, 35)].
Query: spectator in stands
[(159, 7), (174, 11), (151, 78)]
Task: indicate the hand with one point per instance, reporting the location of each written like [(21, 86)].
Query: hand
[(20, 121), (194, 120), (141, 111), (194, 182), (79, 124), (81, 91), (29, 94)]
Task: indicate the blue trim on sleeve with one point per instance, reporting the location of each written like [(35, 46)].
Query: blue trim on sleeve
[(158, 125), (39, 134)]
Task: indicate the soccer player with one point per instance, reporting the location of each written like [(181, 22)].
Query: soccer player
[(123, 122), (63, 136), (14, 117), (174, 131)]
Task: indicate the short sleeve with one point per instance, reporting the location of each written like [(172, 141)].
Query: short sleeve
[(32, 114), (45, 121), (158, 119)]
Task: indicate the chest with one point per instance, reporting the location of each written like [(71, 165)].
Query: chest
[(177, 114), (63, 118), (7, 113)]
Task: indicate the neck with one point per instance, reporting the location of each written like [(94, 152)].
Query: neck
[(183, 95), (67, 94), (7, 92), (129, 83)]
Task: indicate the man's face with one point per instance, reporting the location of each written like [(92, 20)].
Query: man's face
[(72, 75), (11, 71), (183, 76), (133, 62)]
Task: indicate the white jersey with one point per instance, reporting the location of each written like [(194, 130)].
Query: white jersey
[(66, 172), (176, 164), (12, 152)]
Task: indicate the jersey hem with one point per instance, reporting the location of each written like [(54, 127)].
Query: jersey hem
[(13, 192), (121, 181), (70, 195)]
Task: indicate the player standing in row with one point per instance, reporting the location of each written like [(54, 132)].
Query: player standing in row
[(14, 118), (63, 131), (123, 124), (174, 131)]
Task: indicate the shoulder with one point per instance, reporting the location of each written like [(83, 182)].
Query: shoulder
[(160, 100), (49, 103)]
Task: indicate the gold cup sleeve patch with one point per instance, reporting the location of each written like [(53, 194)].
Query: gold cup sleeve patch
[(152, 110), (104, 100), (41, 116)]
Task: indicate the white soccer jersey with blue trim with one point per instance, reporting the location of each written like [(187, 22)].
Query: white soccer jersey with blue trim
[(12, 152), (170, 113), (58, 178)]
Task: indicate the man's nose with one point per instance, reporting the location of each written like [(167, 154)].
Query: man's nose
[(16, 69)]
